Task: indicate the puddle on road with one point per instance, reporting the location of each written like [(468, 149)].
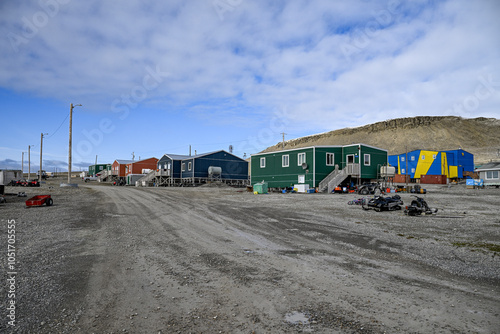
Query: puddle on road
[(297, 318)]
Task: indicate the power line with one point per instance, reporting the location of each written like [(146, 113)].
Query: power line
[(53, 133)]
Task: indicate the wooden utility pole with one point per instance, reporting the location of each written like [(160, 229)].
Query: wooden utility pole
[(40, 170), (283, 143), (22, 164), (29, 162), (70, 136)]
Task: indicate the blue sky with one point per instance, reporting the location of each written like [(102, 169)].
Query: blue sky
[(157, 76)]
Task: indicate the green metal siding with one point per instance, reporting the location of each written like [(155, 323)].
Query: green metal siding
[(378, 158), (94, 169), (280, 177), (322, 170)]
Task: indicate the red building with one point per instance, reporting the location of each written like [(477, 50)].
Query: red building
[(137, 167), (118, 168)]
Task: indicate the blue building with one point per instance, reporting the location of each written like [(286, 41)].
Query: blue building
[(174, 169), (452, 163)]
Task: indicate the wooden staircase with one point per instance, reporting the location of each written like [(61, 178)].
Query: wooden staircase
[(333, 179), (146, 178), (103, 176)]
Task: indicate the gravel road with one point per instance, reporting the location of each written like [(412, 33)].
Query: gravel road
[(108, 259)]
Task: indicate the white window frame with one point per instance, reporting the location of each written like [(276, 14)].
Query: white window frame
[(183, 167), (434, 157), (402, 158), (412, 170), (403, 171), (491, 175), (285, 160), (190, 164), (423, 157), (412, 158), (367, 162), (301, 179), (263, 162), (301, 158), (332, 162)]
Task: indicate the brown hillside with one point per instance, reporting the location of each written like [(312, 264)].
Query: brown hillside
[(479, 136)]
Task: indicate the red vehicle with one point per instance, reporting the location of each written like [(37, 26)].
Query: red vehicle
[(24, 183), (40, 200)]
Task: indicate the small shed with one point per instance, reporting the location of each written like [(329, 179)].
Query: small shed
[(490, 173)]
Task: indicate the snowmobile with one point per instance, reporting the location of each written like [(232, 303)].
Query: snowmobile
[(380, 203), (419, 206), (370, 188)]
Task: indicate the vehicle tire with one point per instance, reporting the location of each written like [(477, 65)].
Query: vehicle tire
[(49, 202), (397, 207), (363, 191)]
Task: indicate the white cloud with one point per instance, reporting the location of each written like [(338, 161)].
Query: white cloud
[(412, 59)]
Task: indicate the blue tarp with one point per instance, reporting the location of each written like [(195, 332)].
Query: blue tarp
[(474, 182)]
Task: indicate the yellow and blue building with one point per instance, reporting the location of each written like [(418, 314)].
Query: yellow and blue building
[(416, 163)]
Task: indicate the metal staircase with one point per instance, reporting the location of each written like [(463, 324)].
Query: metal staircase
[(333, 179), (146, 178)]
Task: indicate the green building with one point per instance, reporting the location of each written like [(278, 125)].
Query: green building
[(95, 169), (322, 167)]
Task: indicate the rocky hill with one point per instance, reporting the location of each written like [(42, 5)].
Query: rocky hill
[(479, 136)]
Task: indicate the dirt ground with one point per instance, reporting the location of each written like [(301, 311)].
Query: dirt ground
[(108, 259)]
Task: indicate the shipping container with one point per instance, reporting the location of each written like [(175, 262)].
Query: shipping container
[(433, 179)]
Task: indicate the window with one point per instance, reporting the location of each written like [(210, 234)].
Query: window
[(433, 157), (423, 157), (403, 171), (412, 158), (100, 167), (189, 165), (330, 159), (262, 162), (492, 174), (412, 170), (402, 158), (183, 167), (285, 160), (301, 158), (367, 159), (302, 179)]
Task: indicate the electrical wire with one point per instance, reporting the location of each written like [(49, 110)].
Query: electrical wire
[(58, 127)]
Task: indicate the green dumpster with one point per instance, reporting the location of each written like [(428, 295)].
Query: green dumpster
[(260, 188)]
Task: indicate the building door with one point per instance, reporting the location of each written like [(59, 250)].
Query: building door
[(352, 166)]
